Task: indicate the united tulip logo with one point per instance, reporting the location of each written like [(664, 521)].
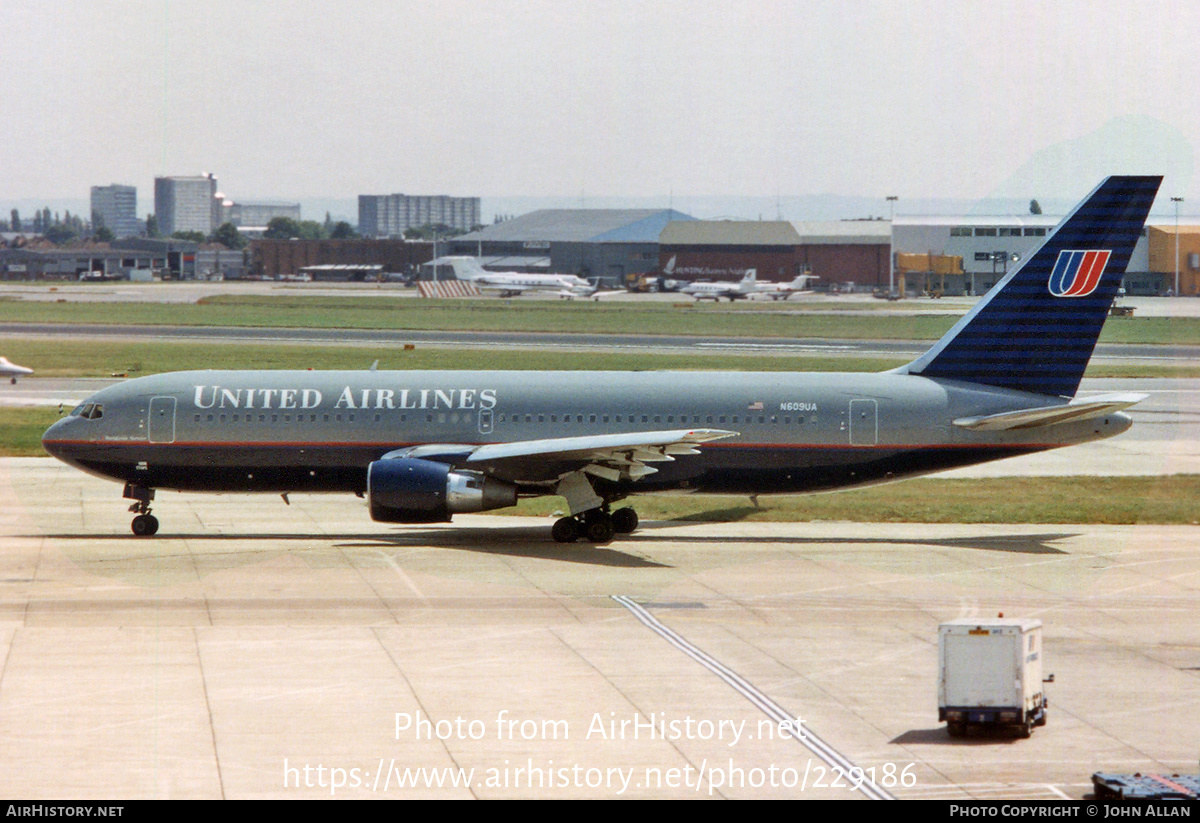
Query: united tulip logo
[(1077, 273)]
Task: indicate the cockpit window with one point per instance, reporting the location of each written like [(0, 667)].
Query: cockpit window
[(91, 411)]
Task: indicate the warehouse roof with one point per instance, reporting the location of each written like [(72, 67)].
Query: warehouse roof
[(1032, 220), (581, 225), (854, 232), (729, 233)]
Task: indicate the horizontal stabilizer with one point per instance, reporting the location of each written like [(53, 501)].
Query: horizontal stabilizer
[(1081, 409)]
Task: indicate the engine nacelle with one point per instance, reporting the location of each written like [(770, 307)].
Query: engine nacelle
[(411, 490)]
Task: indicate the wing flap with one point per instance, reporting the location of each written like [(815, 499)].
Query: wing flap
[(613, 457), (605, 443)]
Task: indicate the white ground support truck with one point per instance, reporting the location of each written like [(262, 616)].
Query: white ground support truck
[(991, 674)]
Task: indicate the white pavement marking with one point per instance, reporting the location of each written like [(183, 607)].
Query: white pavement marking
[(816, 745)]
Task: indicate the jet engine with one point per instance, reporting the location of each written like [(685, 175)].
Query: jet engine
[(411, 490)]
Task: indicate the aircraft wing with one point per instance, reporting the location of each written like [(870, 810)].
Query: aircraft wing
[(1078, 409), (610, 456), (504, 288), (593, 294)]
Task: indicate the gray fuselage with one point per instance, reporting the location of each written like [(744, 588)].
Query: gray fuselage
[(290, 431)]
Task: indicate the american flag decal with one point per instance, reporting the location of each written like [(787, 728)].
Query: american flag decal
[(1077, 273), (757, 406)]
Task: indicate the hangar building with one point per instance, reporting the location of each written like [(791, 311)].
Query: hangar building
[(725, 249), (603, 244), (841, 253)]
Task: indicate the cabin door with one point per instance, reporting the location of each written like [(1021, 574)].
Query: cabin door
[(161, 423), (864, 422)]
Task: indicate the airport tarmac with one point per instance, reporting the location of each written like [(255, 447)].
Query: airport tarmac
[(257, 650), (254, 649)]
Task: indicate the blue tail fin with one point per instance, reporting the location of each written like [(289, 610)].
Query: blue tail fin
[(1036, 329)]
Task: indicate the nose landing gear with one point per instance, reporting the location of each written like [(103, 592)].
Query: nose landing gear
[(144, 524)]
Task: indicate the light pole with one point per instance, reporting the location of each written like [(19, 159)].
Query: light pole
[(1176, 201), (892, 244)]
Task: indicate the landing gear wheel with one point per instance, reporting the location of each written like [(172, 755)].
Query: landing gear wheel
[(599, 528), (565, 530), (144, 525), (624, 521)]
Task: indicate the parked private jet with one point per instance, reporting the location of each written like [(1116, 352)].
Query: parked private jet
[(782, 291), (513, 284), (705, 290), (12, 370)]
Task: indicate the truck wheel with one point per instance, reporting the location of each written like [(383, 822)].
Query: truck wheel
[(957, 729), (1025, 730)]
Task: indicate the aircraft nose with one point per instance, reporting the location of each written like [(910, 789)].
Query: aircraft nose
[(51, 440)]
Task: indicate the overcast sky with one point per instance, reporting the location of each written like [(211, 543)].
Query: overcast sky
[(558, 97)]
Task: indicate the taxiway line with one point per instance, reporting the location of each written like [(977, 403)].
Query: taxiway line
[(806, 737)]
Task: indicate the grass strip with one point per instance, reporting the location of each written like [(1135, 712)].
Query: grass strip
[(368, 312)]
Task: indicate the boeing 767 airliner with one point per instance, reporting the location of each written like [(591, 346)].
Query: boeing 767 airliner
[(422, 446)]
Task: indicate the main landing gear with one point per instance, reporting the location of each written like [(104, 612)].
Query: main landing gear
[(595, 525), (144, 524)]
